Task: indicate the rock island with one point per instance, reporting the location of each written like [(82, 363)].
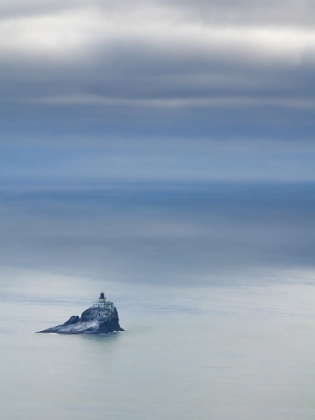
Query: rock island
[(101, 318)]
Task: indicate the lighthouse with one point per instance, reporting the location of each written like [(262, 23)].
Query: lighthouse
[(102, 303)]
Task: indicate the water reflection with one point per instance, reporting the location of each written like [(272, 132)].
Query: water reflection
[(101, 338)]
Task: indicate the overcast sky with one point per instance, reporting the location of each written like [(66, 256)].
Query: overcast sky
[(157, 90)]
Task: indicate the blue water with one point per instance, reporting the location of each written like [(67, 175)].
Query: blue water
[(214, 284)]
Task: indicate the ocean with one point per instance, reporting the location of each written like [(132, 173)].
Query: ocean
[(214, 285)]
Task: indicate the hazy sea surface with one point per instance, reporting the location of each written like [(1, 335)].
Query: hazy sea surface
[(214, 284)]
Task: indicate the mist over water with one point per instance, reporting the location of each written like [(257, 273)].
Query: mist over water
[(214, 284), (159, 233)]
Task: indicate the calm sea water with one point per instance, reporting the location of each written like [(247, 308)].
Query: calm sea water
[(215, 288)]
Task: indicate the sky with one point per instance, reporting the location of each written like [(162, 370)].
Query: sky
[(105, 91)]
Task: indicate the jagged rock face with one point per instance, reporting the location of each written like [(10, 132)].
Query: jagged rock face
[(92, 321), (72, 320)]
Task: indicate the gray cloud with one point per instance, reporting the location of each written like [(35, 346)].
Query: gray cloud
[(242, 11), (158, 70), (152, 49)]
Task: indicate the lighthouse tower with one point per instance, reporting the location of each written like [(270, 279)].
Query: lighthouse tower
[(102, 303), (102, 298)]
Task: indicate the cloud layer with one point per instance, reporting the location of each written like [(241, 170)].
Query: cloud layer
[(238, 70)]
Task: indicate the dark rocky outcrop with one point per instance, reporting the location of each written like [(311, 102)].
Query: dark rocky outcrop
[(92, 321), (72, 320)]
